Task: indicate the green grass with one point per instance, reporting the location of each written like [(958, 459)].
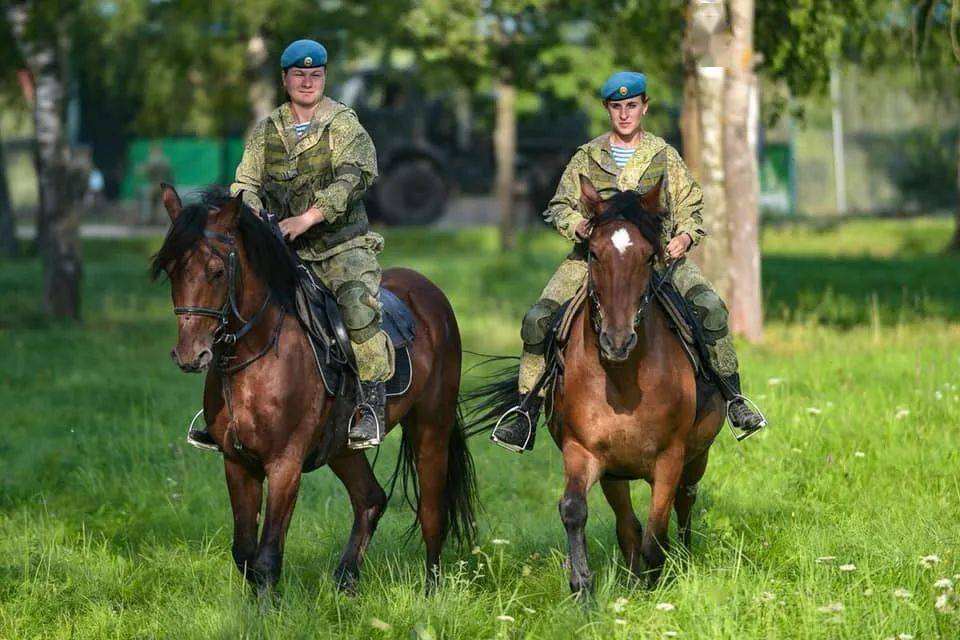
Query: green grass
[(110, 527)]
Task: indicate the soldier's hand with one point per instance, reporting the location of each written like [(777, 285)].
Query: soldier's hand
[(293, 228), (679, 246), (583, 229)]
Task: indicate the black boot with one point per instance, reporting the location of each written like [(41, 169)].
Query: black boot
[(517, 428), (201, 439), (743, 417), (368, 425)]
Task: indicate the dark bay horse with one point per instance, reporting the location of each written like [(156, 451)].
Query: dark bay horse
[(626, 406), (268, 410)]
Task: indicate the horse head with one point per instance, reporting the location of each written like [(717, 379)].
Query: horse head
[(199, 255), (623, 244)]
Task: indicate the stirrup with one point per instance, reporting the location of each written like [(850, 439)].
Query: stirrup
[(742, 434), (509, 446), (196, 443), (366, 443)]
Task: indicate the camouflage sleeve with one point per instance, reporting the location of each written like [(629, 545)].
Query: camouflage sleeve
[(686, 199), (563, 212), (354, 161), (249, 176)]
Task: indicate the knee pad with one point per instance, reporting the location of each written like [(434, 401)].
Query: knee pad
[(360, 310), (536, 325), (711, 311)]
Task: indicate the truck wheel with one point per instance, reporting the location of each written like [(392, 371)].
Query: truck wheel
[(413, 192)]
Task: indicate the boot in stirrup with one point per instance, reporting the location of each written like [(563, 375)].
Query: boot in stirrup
[(516, 429), (367, 426), (744, 417), (200, 438)]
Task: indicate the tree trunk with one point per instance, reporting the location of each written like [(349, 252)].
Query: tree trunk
[(505, 153), (740, 174), (8, 227), (714, 255), (955, 243), (262, 77), (43, 50), (690, 113)]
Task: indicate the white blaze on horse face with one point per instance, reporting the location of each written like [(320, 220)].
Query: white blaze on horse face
[(621, 240)]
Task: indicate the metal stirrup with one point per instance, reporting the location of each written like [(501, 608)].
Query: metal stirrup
[(507, 445), (745, 434)]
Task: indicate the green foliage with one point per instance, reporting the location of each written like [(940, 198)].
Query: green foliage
[(110, 527)]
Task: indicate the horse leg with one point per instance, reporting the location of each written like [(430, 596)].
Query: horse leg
[(687, 495), (580, 472), (667, 470), (283, 481), (246, 493), (369, 502), (629, 531), (430, 444)]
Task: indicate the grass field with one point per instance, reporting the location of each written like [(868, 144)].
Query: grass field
[(111, 528)]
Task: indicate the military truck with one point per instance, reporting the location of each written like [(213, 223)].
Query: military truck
[(432, 144)]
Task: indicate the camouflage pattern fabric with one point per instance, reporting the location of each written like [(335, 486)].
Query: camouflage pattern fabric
[(330, 167), (340, 273), (684, 199)]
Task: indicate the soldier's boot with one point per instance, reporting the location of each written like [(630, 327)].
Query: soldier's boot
[(516, 430), (200, 438), (367, 427), (744, 418)]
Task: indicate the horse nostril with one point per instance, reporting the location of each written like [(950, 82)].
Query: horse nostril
[(631, 342), (175, 357), (605, 343), (204, 359)]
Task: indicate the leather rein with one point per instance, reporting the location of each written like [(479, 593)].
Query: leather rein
[(226, 313)]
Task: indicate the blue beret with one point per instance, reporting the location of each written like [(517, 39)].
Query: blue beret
[(305, 54), (623, 85)]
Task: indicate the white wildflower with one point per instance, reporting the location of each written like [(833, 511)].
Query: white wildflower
[(619, 621), (475, 550), (767, 596), (814, 411), (529, 611), (670, 634), (833, 607), (618, 605), (796, 450), (526, 571), (904, 636), (859, 454), (774, 381), (902, 593), (847, 567), (943, 583), (901, 413), (499, 541), (929, 561), (943, 603), (505, 618), (938, 395), (826, 559), (868, 592), (665, 606)]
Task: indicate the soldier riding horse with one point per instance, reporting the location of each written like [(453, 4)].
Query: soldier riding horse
[(234, 288)]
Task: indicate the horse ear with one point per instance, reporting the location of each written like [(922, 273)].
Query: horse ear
[(171, 201), (650, 200), (589, 197), (229, 213)]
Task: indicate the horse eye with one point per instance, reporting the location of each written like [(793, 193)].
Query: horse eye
[(216, 274)]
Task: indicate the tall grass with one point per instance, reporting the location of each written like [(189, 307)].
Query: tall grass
[(110, 527)]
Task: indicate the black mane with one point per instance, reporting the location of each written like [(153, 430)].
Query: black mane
[(627, 205), (269, 257)]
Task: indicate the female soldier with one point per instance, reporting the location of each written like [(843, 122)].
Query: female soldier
[(625, 158)]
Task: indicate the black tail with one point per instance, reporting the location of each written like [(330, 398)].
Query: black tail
[(460, 494), (491, 400)]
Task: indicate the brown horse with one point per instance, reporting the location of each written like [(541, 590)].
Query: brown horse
[(267, 409), (626, 406)]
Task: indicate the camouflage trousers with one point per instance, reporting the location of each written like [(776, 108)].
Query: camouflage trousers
[(571, 274), (353, 275)]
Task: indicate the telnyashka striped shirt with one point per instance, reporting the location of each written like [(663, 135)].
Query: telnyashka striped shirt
[(621, 155), (301, 128)]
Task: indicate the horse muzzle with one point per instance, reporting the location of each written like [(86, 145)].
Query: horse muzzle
[(201, 362), (616, 347)]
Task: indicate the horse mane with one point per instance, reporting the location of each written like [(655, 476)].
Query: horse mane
[(269, 257), (628, 206)]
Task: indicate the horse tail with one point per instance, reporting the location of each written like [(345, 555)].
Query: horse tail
[(460, 492), (492, 399)]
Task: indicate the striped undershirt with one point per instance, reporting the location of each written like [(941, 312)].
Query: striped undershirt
[(621, 155), (301, 128)]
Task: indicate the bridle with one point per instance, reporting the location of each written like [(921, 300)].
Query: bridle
[(654, 284), (226, 313)]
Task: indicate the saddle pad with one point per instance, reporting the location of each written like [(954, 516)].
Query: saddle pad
[(399, 384), (398, 321)]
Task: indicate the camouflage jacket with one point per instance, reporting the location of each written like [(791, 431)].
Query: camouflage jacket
[(652, 158), (330, 168)]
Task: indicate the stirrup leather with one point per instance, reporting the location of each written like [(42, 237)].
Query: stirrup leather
[(518, 410)]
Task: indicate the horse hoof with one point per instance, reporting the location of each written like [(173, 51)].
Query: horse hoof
[(348, 582)]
